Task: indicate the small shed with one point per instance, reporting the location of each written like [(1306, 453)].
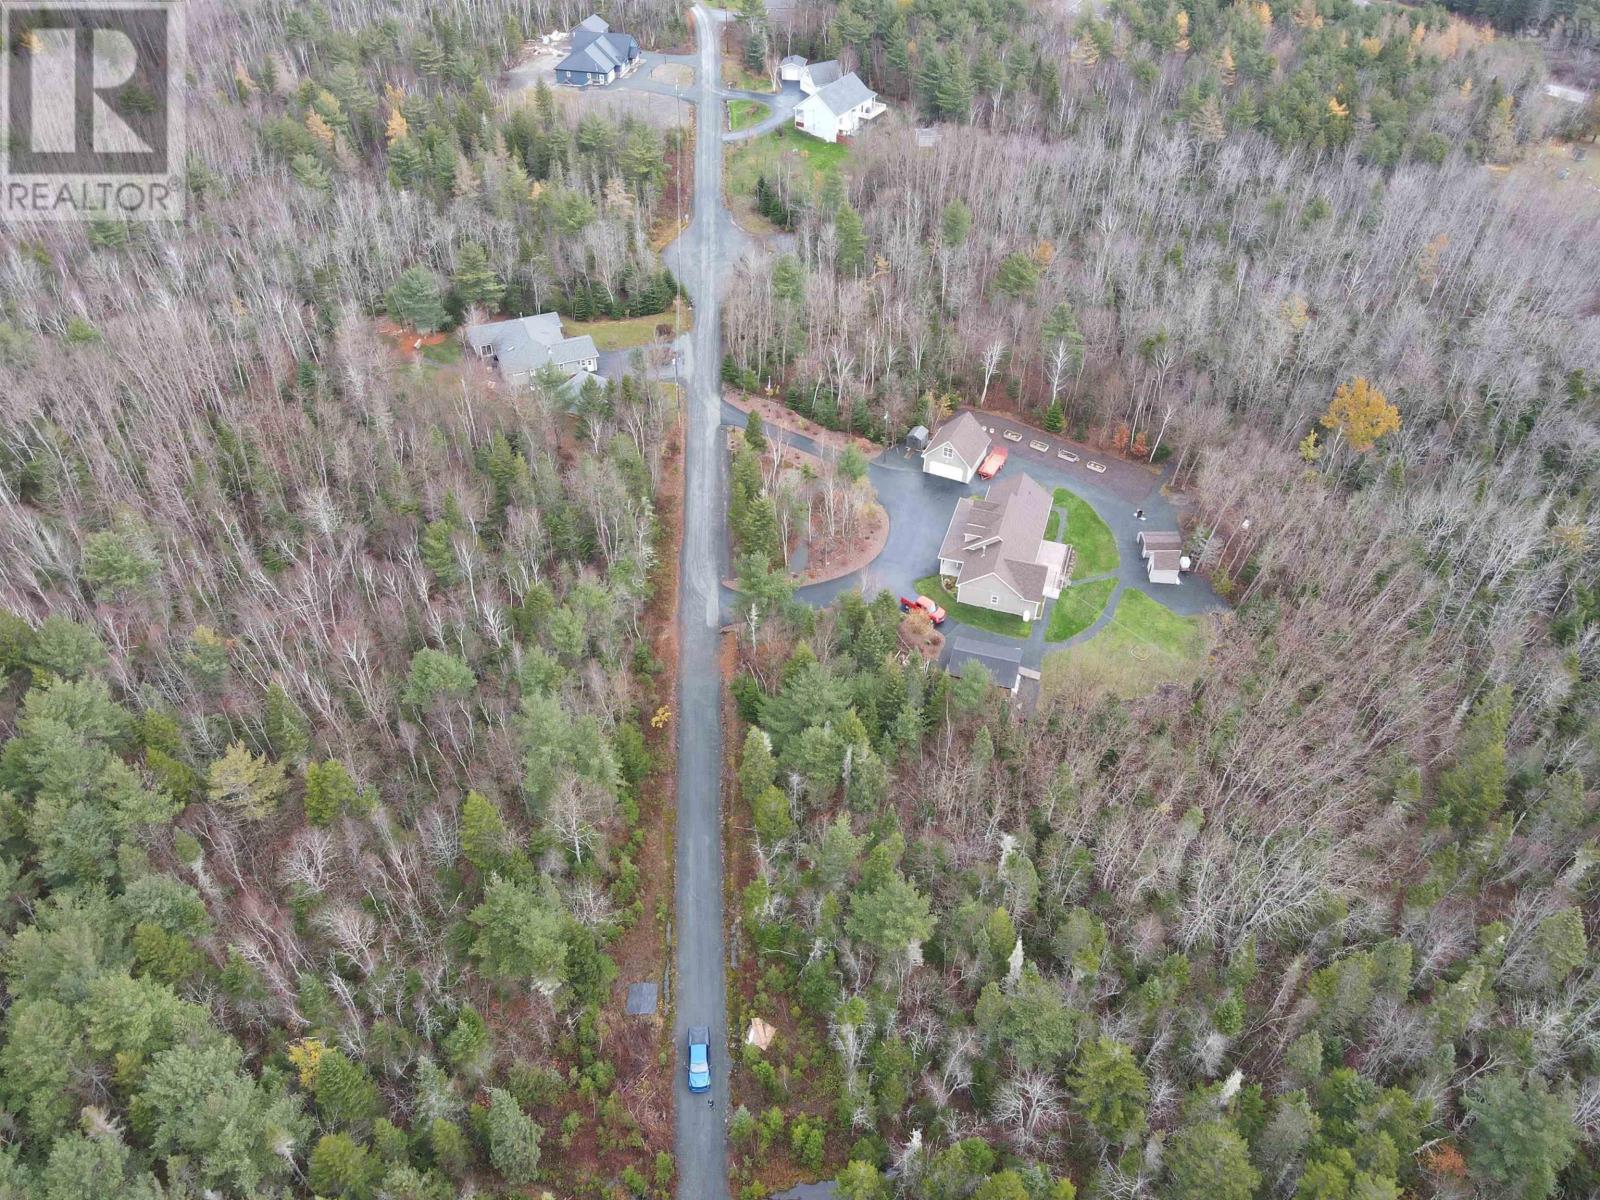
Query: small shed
[(917, 439), (1004, 663)]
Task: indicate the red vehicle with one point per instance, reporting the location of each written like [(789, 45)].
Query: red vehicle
[(923, 604), (990, 467)]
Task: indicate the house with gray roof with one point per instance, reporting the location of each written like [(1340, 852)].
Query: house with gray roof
[(837, 109), (996, 552), (599, 54), (519, 348)]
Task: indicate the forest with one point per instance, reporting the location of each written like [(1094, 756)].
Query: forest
[(329, 726), (1316, 921)]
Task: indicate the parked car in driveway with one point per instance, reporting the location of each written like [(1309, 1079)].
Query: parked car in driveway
[(990, 467), (923, 604), (699, 1058)]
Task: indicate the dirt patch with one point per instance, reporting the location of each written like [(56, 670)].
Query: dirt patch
[(781, 415), (406, 342), (673, 74)]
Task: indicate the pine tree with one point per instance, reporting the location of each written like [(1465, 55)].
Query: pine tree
[(852, 248), (513, 1138), (285, 726), (414, 300), (475, 281), (484, 840), (329, 791)]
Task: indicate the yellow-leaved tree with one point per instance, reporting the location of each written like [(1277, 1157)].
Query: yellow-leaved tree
[(1360, 414)]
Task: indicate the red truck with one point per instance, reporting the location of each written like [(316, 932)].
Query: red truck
[(925, 605)]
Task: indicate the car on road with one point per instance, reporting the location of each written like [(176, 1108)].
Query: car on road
[(923, 604), (699, 1058), (990, 467)]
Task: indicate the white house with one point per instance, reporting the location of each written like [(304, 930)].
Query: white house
[(837, 110), (792, 69), (996, 552), (956, 449), (813, 77), (1162, 551)]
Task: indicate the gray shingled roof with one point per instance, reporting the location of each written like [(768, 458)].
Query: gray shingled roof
[(596, 50), (1004, 663), (844, 94), (528, 343), (1000, 535), (794, 60), (824, 73), (966, 433)]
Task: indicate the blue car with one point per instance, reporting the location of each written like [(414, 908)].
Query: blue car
[(699, 1058)]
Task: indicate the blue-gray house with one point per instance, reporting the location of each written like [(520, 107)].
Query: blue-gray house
[(598, 55)]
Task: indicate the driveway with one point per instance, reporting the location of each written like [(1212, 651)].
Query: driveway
[(783, 104), (700, 1137), (920, 506)]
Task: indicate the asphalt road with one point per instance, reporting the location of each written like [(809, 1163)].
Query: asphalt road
[(701, 1139)]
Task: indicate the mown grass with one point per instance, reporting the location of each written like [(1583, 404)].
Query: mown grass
[(1095, 543), (742, 114), (1144, 645), (784, 149), (1078, 608), (628, 332), (970, 614)]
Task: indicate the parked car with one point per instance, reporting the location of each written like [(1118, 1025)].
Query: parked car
[(699, 1058), (935, 613), (990, 467)]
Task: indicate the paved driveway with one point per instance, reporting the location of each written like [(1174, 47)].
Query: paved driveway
[(920, 506)]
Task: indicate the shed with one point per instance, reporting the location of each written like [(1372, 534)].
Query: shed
[(1004, 663), (917, 439)]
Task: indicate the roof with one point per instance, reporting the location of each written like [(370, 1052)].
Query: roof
[(966, 433), (1000, 535), (1004, 663), (824, 73), (598, 51), (1160, 539), (794, 60), (528, 343), (844, 94), (1165, 560)]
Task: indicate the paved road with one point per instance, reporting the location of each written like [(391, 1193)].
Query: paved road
[(701, 1140)]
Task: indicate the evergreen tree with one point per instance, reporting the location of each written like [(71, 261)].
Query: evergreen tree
[(414, 300), (513, 1139), (475, 281)]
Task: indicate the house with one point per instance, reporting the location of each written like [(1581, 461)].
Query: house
[(996, 551), (520, 347), (791, 69), (1004, 663), (956, 449), (813, 77), (598, 55), (1162, 551), (837, 110)]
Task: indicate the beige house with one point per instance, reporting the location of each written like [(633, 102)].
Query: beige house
[(956, 449), (996, 552), (1162, 552)]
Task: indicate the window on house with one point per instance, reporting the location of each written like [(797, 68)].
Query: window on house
[(994, 599), (948, 451)]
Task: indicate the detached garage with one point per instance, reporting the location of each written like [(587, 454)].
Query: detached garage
[(956, 449)]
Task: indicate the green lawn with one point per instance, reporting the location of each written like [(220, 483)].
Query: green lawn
[(1097, 548), (735, 75), (969, 614), (1078, 608), (1052, 527), (784, 150), (1145, 644), (627, 333), (744, 113), (444, 353)]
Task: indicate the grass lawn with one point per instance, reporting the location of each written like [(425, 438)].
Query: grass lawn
[(1077, 609), (735, 75), (744, 113), (1145, 644), (627, 333), (970, 614), (1097, 548), (444, 353), (1052, 527), (783, 150)]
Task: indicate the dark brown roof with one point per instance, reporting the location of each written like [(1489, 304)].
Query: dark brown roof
[(1165, 560)]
